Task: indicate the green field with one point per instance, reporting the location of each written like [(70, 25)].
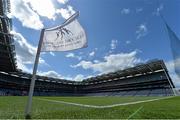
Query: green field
[(72, 108)]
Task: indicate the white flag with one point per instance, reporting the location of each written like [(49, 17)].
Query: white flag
[(175, 47), (68, 36)]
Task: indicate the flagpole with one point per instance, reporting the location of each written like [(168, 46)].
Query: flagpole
[(31, 90), (163, 67), (168, 78)]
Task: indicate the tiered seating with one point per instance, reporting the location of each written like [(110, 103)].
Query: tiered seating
[(168, 91), (143, 80), (143, 93), (130, 93), (157, 92)]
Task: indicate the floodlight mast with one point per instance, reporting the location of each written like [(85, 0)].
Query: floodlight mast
[(33, 79)]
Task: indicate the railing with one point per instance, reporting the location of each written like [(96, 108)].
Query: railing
[(1, 8), (6, 6)]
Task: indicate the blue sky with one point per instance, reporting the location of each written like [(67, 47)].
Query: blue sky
[(121, 33)]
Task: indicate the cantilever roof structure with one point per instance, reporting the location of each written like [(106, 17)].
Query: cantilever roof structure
[(141, 69), (7, 48), (150, 67)]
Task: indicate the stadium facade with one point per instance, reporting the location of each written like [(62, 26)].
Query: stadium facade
[(7, 48), (148, 79)]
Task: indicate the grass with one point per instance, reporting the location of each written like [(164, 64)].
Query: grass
[(13, 107)]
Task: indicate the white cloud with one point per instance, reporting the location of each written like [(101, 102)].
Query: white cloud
[(51, 53), (114, 44), (111, 63), (44, 8), (176, 80), (72, 55), (128, 42), (138, 10), (22, 11), (62, 1), (171, 68), (173, 64), (79, 57), (22, 66), (25, 52), (28, 12), (125, 11), (96, 61), (158, 10), (79, 77), (66, 13), (91, 54), (51, 73), (54, 74), (141, 31)]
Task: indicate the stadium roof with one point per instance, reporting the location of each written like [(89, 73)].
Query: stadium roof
[(141, 69), (150, 67)]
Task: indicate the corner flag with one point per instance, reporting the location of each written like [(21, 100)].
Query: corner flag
[(175, 47), (174, 44), (68, 36)]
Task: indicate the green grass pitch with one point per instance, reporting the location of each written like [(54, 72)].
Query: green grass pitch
[(13, 107)]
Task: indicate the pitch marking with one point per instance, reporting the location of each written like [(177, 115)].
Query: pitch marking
[(135, 112), (104, 106)]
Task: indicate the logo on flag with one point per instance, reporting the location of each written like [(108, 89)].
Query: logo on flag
[(69, 36), (62, 32)]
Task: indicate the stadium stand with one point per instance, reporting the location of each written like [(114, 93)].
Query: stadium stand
[(7, 48), (148, 79)]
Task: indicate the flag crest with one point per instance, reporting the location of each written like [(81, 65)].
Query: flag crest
[(69, 36)]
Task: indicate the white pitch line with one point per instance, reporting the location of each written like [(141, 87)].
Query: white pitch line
[(104, 106), (134, 113), (70, 103)]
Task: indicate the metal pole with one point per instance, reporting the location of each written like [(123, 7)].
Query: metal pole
[(162, 66), (31, 90), (169, 80)]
